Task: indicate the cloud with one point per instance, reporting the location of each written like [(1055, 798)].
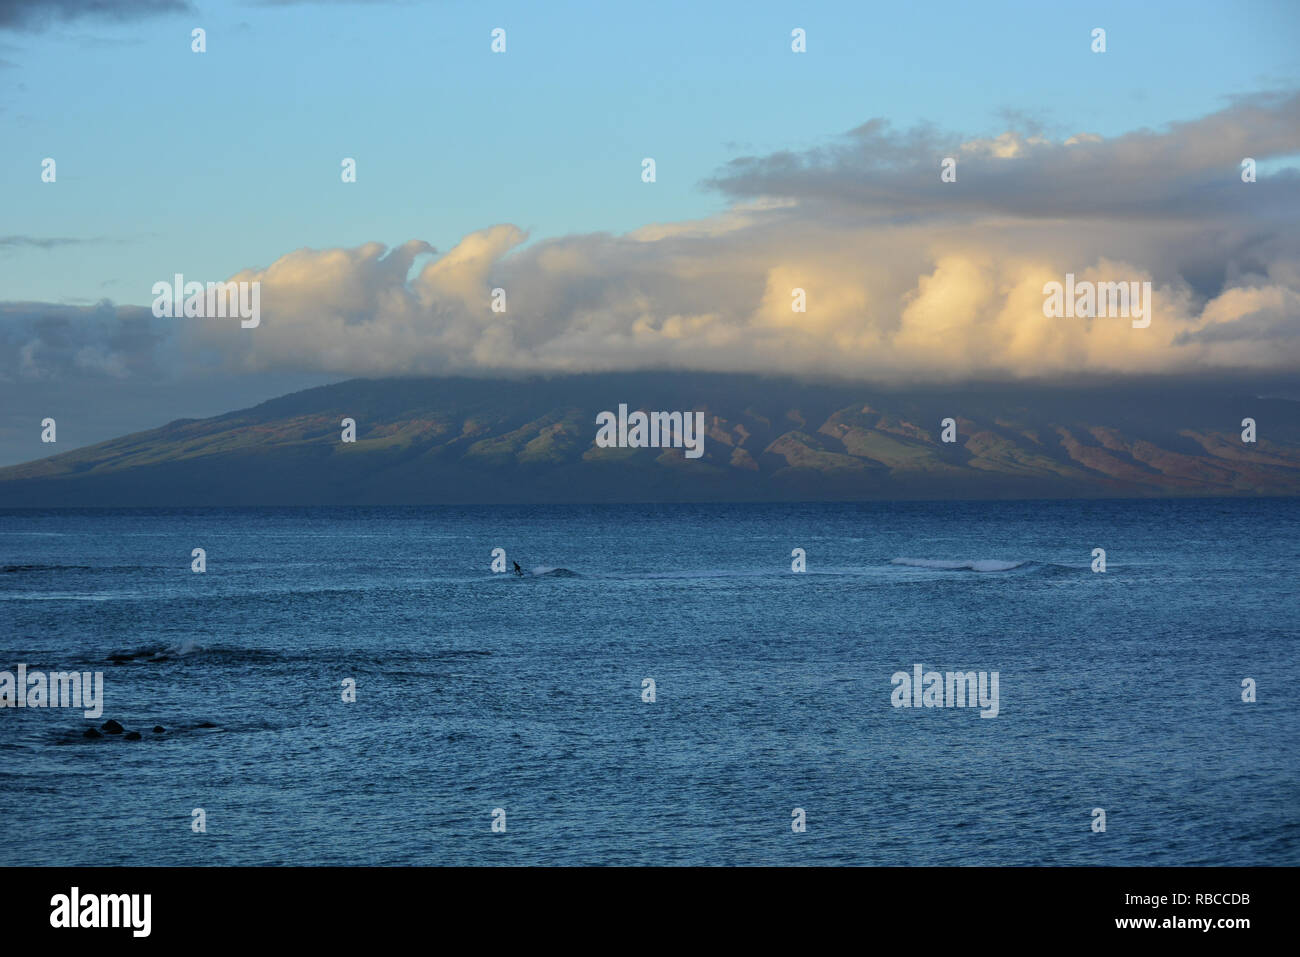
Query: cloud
[(1185, 172), (44, 342), (908, 280), (39, 242), (34, 15)]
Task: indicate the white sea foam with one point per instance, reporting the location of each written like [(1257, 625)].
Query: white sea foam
[(976, 565)]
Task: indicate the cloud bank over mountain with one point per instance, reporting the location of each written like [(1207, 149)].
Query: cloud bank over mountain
[(908, 280)]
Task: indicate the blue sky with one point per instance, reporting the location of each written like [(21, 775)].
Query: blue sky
[(207, 164)]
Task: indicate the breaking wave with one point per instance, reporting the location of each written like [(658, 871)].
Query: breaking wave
[(152, 653), (974, 565)]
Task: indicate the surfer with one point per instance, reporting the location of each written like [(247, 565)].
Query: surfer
[(519, 571)]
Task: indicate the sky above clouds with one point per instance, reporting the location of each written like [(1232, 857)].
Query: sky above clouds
[(522, 171)]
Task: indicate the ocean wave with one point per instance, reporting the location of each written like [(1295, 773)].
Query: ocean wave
[(153, 653), (546, 571), (20, 569), (972, 565), (60, 596), (14, 569)]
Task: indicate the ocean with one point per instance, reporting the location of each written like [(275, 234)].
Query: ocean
[(486, 699)]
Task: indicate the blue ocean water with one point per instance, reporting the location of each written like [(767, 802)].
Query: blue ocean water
[(478, 691)]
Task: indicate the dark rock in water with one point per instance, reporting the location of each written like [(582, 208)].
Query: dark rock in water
[(158, 729), (91, 733), (205, 724), (132, 736), (111, 727)]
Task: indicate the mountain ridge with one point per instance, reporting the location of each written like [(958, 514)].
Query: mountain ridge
[(456, 440)]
